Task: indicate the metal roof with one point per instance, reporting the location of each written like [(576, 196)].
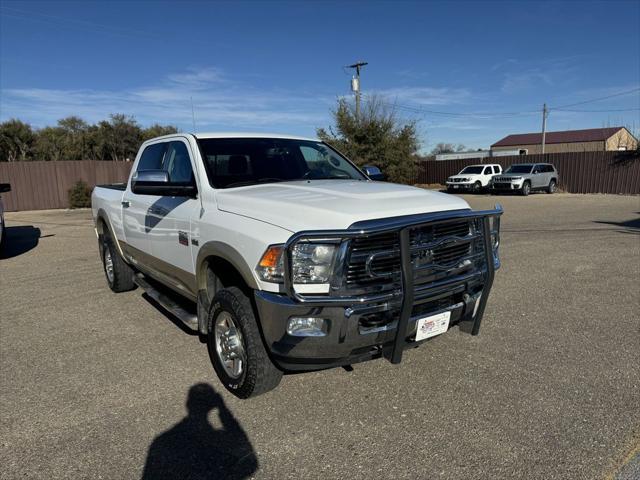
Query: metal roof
[(566, 136)]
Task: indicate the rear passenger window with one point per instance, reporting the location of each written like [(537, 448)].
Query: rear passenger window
[(178, 164), (152, 156), (496, 169), (487, 171)]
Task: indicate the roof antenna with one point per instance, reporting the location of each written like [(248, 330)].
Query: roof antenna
[(193, 116)]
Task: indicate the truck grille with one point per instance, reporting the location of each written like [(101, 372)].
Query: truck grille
[(375, 260)]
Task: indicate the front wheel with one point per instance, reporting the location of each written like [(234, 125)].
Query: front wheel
[(552, 187), (236, 348), (477, 187), (526, 189)]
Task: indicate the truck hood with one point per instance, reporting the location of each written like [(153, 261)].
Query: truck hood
[(465, 175), (331, 204)]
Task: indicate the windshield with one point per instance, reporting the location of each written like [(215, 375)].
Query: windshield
[(471, 170), (236, 162), (519, 169)]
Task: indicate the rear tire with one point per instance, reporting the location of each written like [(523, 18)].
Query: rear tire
[(526, 189), (2, 235), (235, 346), (119, 275), (552, 187)]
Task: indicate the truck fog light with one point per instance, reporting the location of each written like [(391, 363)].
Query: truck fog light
[(306, 327)]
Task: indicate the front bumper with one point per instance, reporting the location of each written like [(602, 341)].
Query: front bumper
[(506, 186), (460, 185), (349, 340), (346, 341)]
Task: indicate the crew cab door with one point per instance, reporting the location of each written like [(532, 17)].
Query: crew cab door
[(538, 177), (172, 236), (487, 173), (135, 207)]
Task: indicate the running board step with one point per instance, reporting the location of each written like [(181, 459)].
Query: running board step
[(168, 303)]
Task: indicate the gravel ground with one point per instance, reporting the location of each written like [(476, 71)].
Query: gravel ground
[(99, 385)]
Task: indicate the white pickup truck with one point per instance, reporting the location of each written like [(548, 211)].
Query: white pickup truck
[(287, 257), (473, 177)]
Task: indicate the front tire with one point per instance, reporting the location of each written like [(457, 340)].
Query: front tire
[(552, 187), (477, 187), (119, 275), (526, 189), (235, 346)]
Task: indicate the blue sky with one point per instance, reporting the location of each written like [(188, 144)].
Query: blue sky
[(278, 66)]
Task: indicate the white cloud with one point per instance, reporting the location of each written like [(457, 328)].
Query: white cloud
[(218, 102), (426, 95), (517, 82)]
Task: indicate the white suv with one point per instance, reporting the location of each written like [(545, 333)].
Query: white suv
[(473, 177)]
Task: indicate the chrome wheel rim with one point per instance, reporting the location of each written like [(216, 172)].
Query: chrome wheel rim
[(229, 345), (108, 264), (526, 188), (552, 187)]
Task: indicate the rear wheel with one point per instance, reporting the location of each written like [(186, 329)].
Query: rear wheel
[(2, 228), (235, 346), (526, 189), (552, 187), (119, 275)]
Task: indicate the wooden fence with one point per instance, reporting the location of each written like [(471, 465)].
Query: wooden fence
[(580, 172), (43, 185)]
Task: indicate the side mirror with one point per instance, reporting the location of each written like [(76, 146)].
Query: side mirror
[(5, 187), (157, 182), (373, 173)]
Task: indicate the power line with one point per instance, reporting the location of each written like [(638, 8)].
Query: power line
[(619, 94), (418, 109), (602, 111)]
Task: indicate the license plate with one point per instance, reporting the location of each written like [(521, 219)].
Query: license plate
[(432, 326), (456, 186)]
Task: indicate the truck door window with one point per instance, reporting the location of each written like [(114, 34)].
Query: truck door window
[(178, 164), (487, 171), (152, 157)]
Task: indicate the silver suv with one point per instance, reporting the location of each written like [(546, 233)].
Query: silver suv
[(525, 177)]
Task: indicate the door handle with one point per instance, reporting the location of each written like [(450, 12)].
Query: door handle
[(125, 203)]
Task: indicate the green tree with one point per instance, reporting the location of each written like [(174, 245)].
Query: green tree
[(378, 137), (74, 132), (119, 137), (157, 130), (49, 144), (447, 148), (16, 140)]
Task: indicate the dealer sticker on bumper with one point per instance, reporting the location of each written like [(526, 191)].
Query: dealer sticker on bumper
[(432, 326)]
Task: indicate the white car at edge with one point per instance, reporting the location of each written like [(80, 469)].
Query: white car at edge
[(287, 257)]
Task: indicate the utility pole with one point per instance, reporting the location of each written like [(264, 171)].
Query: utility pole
[(545, 113), (355, 85)]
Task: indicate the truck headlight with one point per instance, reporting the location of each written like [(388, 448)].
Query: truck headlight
[(310, 263)]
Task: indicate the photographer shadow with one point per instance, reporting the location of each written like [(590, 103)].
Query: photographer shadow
[(193, 448)]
